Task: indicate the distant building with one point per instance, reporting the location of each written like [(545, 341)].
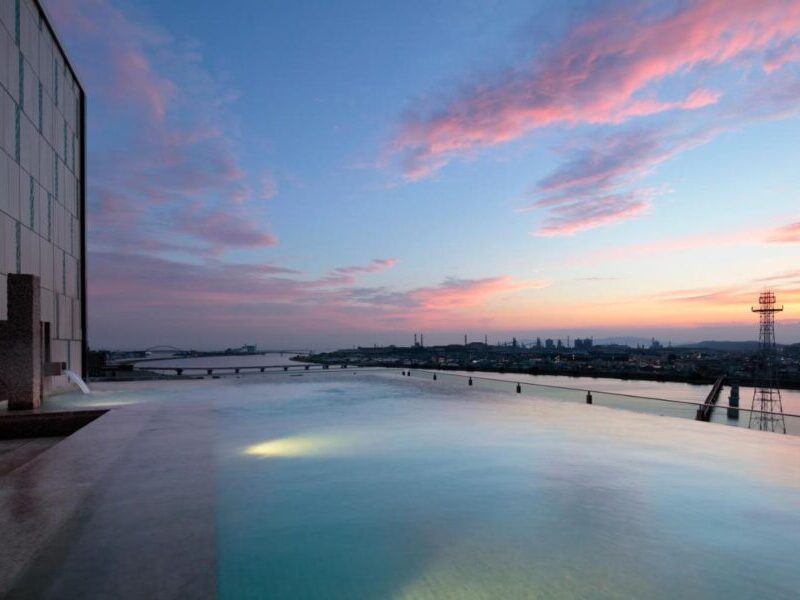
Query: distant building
[(42, 174), (549, 344)]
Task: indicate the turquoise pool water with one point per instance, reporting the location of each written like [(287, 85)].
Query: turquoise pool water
[(379, 486)]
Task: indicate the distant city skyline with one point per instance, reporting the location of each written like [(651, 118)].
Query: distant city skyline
[(510, 169)]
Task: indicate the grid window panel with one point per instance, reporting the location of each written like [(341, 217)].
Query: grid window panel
[(64, 317), (6, 47), (46, 262), (18, 249), (3, 297), (8, 123), (58, 270), (17, 142), (9, 241), (47, 301), (13, 189), (41, 211), (32, 203), (7, 15), (4, 195), (7, 244), (12, 67), (16, 21)]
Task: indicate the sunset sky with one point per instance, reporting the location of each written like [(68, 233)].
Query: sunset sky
[(323, 174)]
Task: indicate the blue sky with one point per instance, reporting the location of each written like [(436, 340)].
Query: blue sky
[(353, 172)]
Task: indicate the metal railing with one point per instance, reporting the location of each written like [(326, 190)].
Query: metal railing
[(644, 404)]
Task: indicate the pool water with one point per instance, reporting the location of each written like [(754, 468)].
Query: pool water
[(378, 486)]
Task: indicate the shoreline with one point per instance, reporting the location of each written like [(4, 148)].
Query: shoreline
[(694, 379)]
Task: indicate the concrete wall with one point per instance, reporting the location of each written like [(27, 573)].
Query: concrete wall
[(41, 193)]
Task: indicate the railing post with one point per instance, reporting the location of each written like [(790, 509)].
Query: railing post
[(733, 402), (209, 371), (179, 372)]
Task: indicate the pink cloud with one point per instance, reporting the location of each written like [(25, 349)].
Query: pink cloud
[(349, 275), (570, 217), (712, 296), (788, 234), (787, 277), (168, 175), (592, 188), (603, 165), (218, 297), (596, 74), (641, 108), (269, 187), (461, 293), (127, 76), (613, 255), (379, 264), (225, 230), (453, 294), (782, 56), (741, 296), (134, 82)]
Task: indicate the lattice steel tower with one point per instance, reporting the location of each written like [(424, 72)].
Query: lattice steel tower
[(767, 409)]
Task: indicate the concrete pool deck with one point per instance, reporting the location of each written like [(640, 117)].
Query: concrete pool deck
[(122, 508)]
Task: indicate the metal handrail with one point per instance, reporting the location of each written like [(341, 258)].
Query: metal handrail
[(593, 391)]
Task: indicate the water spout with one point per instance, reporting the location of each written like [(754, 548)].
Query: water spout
[(76, 379)]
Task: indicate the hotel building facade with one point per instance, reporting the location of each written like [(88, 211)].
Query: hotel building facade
[(42, 178)]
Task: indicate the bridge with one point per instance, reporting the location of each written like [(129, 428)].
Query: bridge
[(225, 370), (138, 356), (164, 348), (704, 410)]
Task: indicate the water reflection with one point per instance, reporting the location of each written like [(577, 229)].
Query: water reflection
[(304, 446)]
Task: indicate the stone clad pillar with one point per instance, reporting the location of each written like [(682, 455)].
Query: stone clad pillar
[(21, 344)]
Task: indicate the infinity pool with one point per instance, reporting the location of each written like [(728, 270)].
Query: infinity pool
[(369, 486)]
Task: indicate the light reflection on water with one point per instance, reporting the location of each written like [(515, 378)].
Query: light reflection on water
[(334, 444), (405, 488)]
